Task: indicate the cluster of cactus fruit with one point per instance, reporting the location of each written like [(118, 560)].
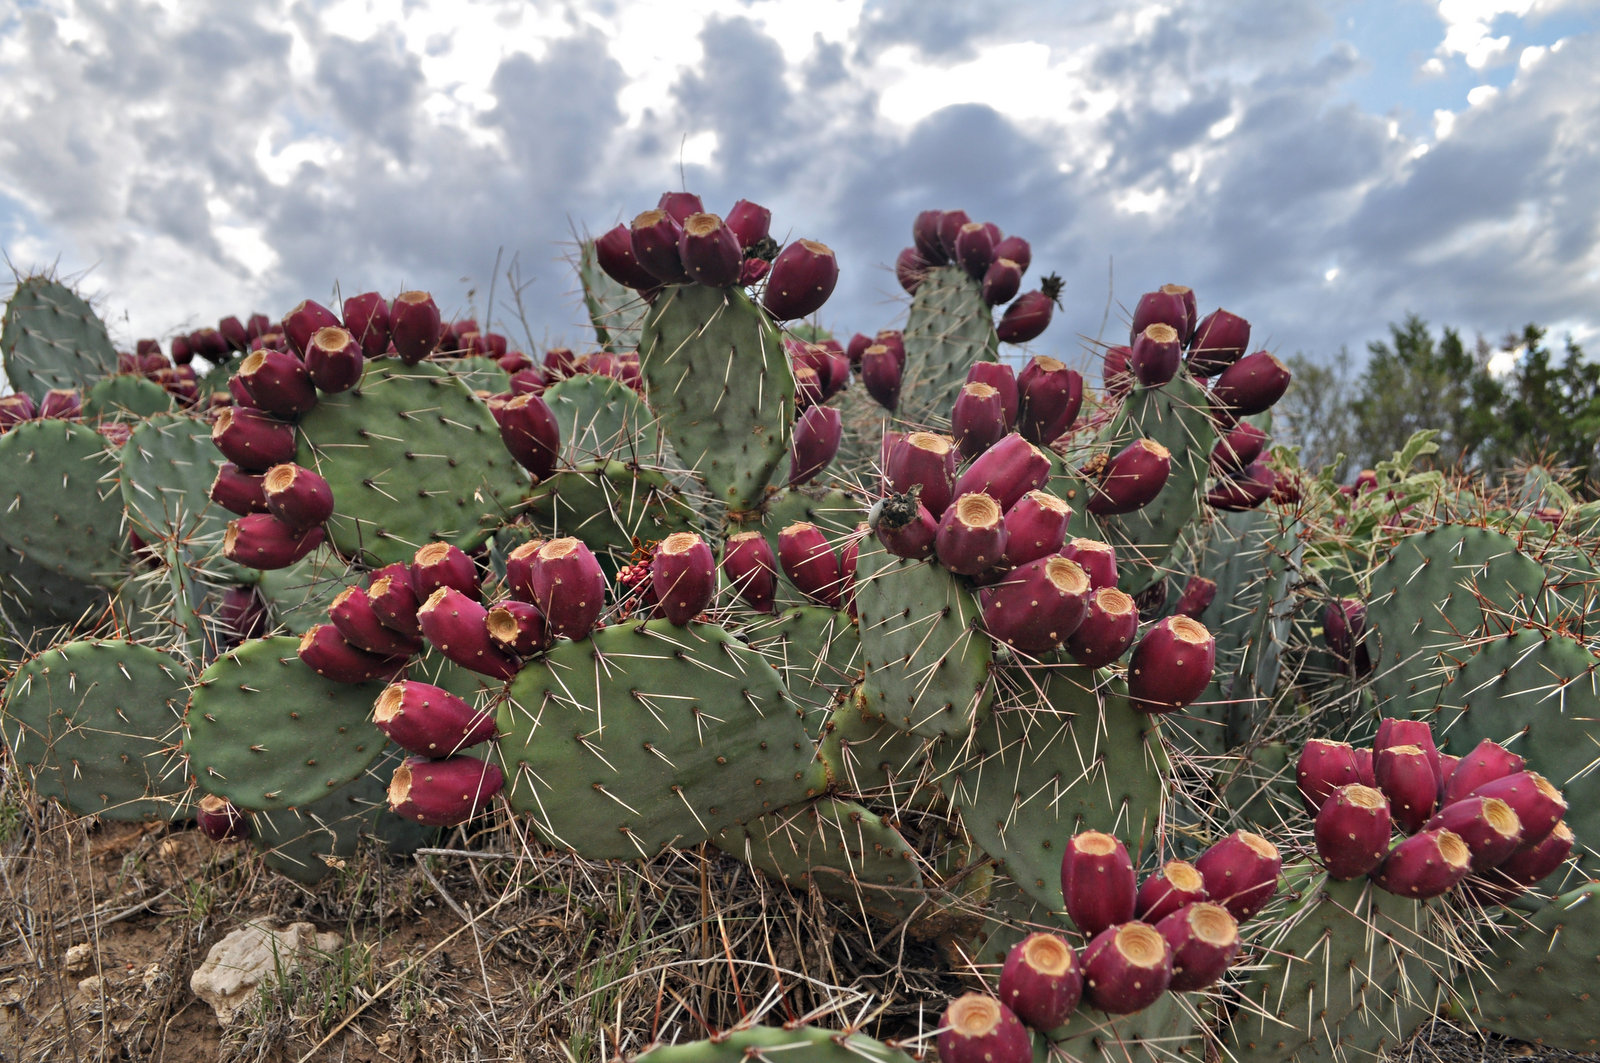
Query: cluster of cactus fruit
[(726, 581)]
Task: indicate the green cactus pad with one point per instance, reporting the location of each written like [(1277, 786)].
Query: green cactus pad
[(607, 504), (844, 849), (299, 595), (616, 312), (167, 467), (412, 458), (95, 725), (478, 372), (125, 397), (770, 1044), (602, 418), (268, 733), (646, 735), (59, 502), (51, 338), (716, 373), (835, 511), (1539, 982), (867, 757), (817, 652), (948, 328), (1068, 755), (926, 662), (32, 596)]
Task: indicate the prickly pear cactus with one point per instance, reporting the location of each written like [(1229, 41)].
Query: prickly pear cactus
[(949, 327), (63, 512), (51, 338)]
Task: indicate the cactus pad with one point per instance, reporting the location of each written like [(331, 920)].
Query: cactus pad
[(608, 504), (168, 465), (601, 418), (948, 328), (125, 397), (770, 1044), (51, 338), (1539, 983), (615, 311), (58, 506), (815, 649)]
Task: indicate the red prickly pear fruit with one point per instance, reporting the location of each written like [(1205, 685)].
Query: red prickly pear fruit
[(925, 235), (972, 535), (753, 271), (1238, 447), (1241, 873), (979, 1029), (531, 434), (849, 557), (1001, 281), (1172, 665), (1003, 379), (614, 252), (457, 627), (297, 496), (1006, 471), (1131, 478), (443, 793), (568, 587), (1407, 779), (710, 251), (1204, 939), (517, 627), (1425, 865), (910, 269), (334, 360), (238, 491), (182, 353), (1114, 371), (1174, 885), (1488, 761), (856, 347), (241, 615), (1017, 250), (1035, 527), (1126, 968), (560, 363), (1529, 865), (209, 344), (1488, 826), (683, 575), (751, 223), (220, 820), (529, 380), (906, 528), (895, 340), (1097, 882), (1352, 831), (1538, 804), (923, 459), (232, 331), (974, 249), (1049, 398), (1251, 385), (1107, 630), (260, 540), (437, 565), (750, 567), (1096, 558), (1219, 340), (1367, 774), (359, 624), (1155, 355), (950, 223), (1028, 315), (1198, 594), (520, 563), (326, 653), (816, 439), (1168, 306), (979, 419), (1324, 767), (1344, 630), (278, 382), (1398, 732), (1244, 490), (394, 602), (257, 325), (16, 408), (301, 323), (366, 317), (807, 387), (803, 276), (679, 205), (1041, 982), (881, 374), (428, 720), (1038, 605), (811, 564), (415, 326)]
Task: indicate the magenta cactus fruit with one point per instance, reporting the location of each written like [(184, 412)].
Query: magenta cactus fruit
[(1486, 762), (1393, 731), (517, 627), (924, 459), (1036, 526), (1108, 627), (1155, 355), (1001, 281), (301, 323), (436, 565), (220, 820), (1241, 873), (975, 249), (1003, 379), (443, 793), (232, 330), (976, 1028), (614, 252), (366, 317), (1172, 665), (910, 269), (1006, 471), (520, 563), (881, 374), (906, 528), (1198, 594), (428, 720), (950, 224), (358, 622), (1324, 766), (1408, 779), (972, 535), (1204, 939), (1219, 340), (1344, 631), (1238, 447), (979, 419), (1038, 605), (457, 627), (393, 600), (811, 563), (1173, 885), (1252, 384), (278, 382), (751, 223), (1538, 804), (334, 360), (1425, 865), (238, 491), (1097, 882), (1017, 250), (1531, 864), (415, 326), (568, 586), (325, 651), (684, 576), (16, 408), (1488, 826), (1041, 981), (1131, 478), (925, 235), (1114, 371), (803, 276), (531, 434), (1126, 968), (1029, 314), (679, 205), (260, 540), (242, 615), (655, 235), (297, 496), (1096, 558), (710, 251), (895, 340), (816, 439), (749, 566), (1246, 489), (1171, 305), (1352, 831)]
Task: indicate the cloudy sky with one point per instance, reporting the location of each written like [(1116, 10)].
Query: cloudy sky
[(1320, 167)]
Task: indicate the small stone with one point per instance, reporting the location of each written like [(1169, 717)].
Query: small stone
[(240, 962), (80, 958)]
